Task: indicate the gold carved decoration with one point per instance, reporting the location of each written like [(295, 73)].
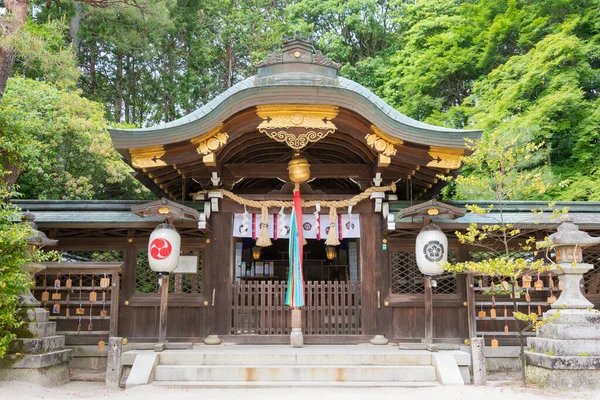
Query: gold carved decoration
[(297, 125), (210, 141), (147, 157), (445, 157), (382, 142)]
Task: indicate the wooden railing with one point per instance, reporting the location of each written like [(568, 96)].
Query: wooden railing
[(332, 308), (89, 306)]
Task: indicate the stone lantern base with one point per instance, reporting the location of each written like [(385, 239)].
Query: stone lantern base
[(40, 358), (566, 353)]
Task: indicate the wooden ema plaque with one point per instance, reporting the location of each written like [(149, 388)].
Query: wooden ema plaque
[(526, 281)]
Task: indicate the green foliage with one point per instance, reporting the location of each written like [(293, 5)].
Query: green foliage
[(42, 53), (13, 280), (62, 143)]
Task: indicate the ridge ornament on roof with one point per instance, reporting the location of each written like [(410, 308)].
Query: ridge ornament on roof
[(298, 49)]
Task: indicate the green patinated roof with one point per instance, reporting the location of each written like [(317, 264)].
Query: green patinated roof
[(307, 79), (113, 213), (584, 214)]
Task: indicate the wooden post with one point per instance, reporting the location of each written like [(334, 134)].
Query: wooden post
[(162, 325), (428, 312), (471, 306)]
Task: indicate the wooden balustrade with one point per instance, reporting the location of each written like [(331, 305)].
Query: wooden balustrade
[(332, 308)]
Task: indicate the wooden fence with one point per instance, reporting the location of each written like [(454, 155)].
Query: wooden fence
[(332, 308)]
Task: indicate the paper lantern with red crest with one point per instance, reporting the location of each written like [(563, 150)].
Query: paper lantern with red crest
[(163, 248)]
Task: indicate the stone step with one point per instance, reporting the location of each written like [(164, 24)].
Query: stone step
[(201, 358), (42, 329), (38, 345), (288, 384), (570, 331), (305, 373), (554, 347)]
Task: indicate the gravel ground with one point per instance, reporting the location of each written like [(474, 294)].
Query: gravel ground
[(498, 390)]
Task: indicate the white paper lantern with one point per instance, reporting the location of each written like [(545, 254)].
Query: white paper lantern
[(431, 250), (163, 248)]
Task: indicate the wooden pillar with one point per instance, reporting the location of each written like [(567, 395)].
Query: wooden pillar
[(162, 321), (218, 273), (372, 272), (428, 311)]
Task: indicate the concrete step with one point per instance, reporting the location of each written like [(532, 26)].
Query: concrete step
[(287, 384), (42, 329), (306, 373), (35, 360), (267, 358), (36, 346)]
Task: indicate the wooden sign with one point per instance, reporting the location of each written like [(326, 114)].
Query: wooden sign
[(552, 299), (57, 284), (80, 311), (505, 285), (103, 313), (481, 314), (101, 345), (526, 281), (539, 284), (494, 343), (45, 296), (93, 296), (56, 308), (56, 296), (105, 282), (69, 283), (493, 313)]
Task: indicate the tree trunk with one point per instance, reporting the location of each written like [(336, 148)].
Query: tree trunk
[(118, 88), (10, 23), (75, 24)]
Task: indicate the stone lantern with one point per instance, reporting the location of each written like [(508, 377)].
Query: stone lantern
[(565, 353), (569, 243), (37, 240)]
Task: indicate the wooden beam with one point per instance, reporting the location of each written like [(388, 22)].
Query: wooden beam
[(264, 170)]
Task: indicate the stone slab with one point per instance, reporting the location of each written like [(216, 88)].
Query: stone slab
[(143, 370), (294, 373), (29, 361), (586, 316), (42, 329), (447, 369), (563, 362), (271, 358), (564, 347), (37, 345), (563, 379), (289, 384), (47, 376), (114, 364), (570, 331), (37, 315)]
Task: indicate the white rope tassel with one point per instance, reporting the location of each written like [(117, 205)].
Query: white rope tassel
[(245, 221), (317, 227), (263, 239), (332, 235), (281, 223)]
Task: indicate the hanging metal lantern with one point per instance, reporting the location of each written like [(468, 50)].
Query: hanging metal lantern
[(163, 248), (330, 252), (256, 253), (431, 250)]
